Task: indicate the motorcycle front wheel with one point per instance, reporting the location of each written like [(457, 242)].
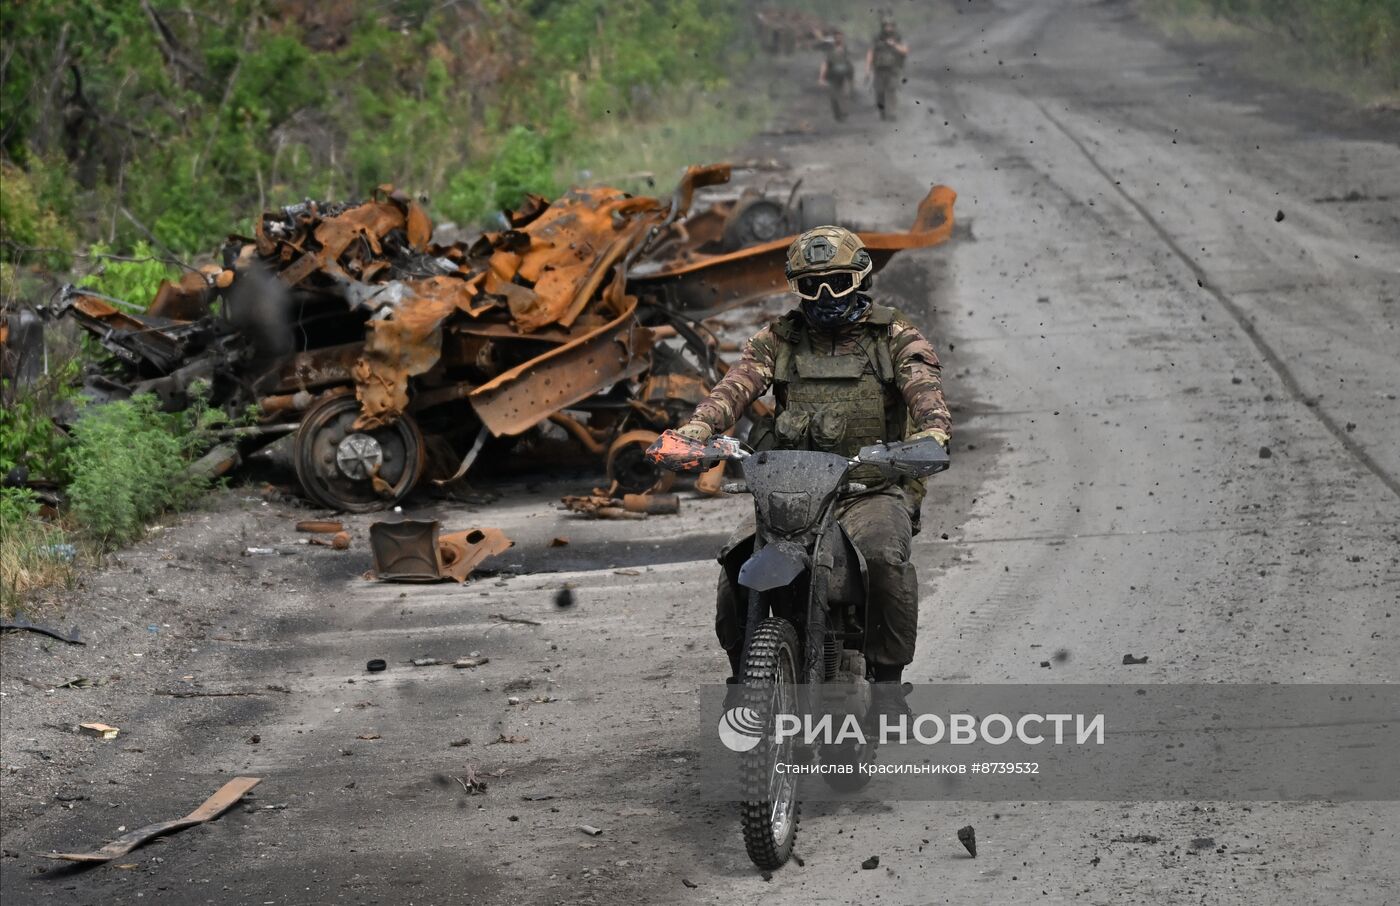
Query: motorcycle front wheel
[(770, 812)]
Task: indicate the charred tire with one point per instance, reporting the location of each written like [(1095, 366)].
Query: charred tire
[(770, 819), (337, 464), (627, 465), (816, 210), (754, 221)]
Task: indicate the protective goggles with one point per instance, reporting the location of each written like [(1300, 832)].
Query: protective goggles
[(836, 283)]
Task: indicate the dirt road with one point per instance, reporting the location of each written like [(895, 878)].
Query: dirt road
[(1176, 421)]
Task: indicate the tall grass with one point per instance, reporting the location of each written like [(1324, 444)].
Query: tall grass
[(34, 553), (1351, 47)]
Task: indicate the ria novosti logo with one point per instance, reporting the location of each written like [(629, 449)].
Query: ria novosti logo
[(740, 729)]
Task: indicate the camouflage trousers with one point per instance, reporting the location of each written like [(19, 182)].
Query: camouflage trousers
[(881, 527), (886, 82), (840, 91)]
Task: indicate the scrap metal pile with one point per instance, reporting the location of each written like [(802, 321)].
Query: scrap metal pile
[(381, 358)]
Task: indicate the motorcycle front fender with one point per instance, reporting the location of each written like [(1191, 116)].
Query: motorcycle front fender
[(774, 566)]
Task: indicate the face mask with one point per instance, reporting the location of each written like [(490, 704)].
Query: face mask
[(828, 311)]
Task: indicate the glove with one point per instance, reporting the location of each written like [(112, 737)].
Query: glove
[(935, 433), (696, 430)]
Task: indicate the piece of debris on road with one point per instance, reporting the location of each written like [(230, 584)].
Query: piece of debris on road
[(410, 550), (222, 800), (967, 836)]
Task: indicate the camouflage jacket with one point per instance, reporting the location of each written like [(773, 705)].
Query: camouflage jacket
[(918, 375)]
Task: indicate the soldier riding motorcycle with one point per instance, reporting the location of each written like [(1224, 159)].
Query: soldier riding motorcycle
[(848, 376)]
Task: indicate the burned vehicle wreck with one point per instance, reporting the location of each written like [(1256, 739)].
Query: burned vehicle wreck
[(376, 359)]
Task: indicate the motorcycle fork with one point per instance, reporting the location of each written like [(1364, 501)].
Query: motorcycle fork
[(757, 607), (814, 655)]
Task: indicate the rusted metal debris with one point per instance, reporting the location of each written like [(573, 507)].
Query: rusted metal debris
[(391, 359), (320, 526), (600, 505), (411, 550), (222, 800)]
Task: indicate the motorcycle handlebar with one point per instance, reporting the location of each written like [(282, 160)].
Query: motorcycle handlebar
[(678, 453)]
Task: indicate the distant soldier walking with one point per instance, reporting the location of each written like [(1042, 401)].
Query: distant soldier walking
[(838, 75), (885, 63)]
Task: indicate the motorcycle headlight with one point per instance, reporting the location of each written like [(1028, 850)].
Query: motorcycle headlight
[(789, 511)]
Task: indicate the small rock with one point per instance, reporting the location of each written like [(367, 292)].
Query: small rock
[(1278, 218), (426, 662), (1203, 843), (968, 838), (564, 598), (1266, 453), (590, 830), (689, 883), (870, 864), (1129, 660)]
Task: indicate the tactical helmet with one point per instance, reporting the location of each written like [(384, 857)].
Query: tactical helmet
[(825, 267), (829, 257)]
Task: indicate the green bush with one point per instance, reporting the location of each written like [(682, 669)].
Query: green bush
[(134, 282), (34, 228), (128, 464), (467, 198), (34, 552), (522, 164), (28, 437)]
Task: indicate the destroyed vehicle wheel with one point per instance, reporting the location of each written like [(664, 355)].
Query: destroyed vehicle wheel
[(344, 468), (755, 221), (627, 465)]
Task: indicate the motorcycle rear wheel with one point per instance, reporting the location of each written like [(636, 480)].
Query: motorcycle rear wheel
[(769, 820)]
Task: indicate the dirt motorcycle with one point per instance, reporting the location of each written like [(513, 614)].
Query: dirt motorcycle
[(802, 590)]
